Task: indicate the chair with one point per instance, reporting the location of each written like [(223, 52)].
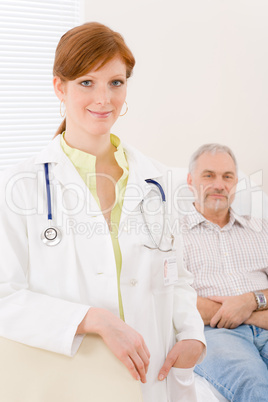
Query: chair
[(93, 374)]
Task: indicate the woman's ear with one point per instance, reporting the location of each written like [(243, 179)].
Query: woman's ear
[(59, 88)]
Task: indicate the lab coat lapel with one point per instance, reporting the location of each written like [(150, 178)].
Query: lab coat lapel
[(140, 169), (69, 177), (63, 171)]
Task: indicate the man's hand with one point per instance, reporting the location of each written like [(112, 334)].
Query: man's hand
[(207, 309), (184, 354), (235, 310)]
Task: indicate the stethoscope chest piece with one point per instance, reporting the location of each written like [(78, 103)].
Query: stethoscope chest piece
[(51, 236)]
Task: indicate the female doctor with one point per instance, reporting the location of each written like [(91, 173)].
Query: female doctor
[(79, 249)]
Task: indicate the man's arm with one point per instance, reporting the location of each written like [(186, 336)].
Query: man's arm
[(258, 318), (235, 310), (207, 308)]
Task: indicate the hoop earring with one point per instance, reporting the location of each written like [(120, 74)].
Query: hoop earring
[(125, 111), (64, 112)]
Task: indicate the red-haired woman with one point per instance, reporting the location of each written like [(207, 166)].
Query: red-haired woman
[(87, 270)]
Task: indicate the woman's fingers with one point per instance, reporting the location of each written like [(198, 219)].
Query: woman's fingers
[(137, 367), (126, 343), (136, 358), (141, 360), (145, 357), (128, 362), (147, 353)]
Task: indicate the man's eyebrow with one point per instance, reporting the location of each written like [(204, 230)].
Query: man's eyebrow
[(230, 172), (207, 171), (213, 171)]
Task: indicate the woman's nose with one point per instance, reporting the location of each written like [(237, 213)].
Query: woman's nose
[(102, 95)]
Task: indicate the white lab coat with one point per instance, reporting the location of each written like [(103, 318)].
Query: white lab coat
[(46, 291)]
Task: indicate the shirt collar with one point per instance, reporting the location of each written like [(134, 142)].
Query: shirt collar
[(120, 154), (79, 158), (245, 221), (195, 218), (142, 166), (82, 160)]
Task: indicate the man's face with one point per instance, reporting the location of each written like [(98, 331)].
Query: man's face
[(213, 182)]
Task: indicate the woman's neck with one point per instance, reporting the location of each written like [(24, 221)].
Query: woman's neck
[(97, 145)]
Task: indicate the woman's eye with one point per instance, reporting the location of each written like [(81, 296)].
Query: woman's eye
[(117, 83), (86, 83)]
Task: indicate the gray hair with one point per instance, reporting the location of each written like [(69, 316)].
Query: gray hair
[(212, 149)]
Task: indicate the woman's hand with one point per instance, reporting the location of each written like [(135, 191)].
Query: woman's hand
[(125, 343), (184, 354)]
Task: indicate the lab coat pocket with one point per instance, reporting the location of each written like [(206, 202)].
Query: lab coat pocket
[(181, 385)]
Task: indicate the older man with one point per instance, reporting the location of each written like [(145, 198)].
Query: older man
[(228, 256)]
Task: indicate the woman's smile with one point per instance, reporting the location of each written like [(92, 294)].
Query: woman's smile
[(100, 115)]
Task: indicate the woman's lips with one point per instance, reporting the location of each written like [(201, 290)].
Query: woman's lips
[(100, 115)]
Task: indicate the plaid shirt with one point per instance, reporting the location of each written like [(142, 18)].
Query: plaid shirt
[(226, 261)]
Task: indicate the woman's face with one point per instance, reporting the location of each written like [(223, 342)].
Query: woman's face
[(94, 101)]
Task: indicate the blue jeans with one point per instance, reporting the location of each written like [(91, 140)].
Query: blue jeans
[(237, 362)]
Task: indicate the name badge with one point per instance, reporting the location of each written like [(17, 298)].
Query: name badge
[(170, 271)]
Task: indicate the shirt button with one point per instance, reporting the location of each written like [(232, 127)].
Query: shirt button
[(133, 282)]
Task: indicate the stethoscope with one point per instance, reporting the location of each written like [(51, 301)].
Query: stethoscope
[(163, 199), (52, 235)]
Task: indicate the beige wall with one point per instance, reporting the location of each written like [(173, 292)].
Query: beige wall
[(201, 76)]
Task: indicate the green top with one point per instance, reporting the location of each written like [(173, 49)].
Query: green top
[(84, 164)]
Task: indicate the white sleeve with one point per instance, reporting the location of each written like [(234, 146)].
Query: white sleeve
[(187, 320), (41, 321), (31, 318)]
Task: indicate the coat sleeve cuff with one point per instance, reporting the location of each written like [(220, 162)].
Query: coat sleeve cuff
[(72, 341), (196, 335)]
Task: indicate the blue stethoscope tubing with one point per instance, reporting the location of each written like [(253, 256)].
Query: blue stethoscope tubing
[(49, 211), (52, 235)]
